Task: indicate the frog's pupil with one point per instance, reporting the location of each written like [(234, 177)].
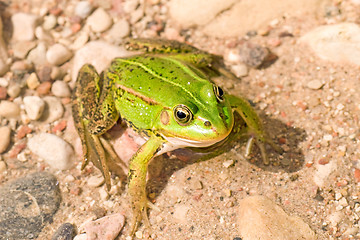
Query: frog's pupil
[(180, 114), (220, 92)]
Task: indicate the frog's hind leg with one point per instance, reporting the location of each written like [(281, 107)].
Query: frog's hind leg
[(94, 113)]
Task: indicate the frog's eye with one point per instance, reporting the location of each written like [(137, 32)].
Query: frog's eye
[(219, 93), (182, 114)]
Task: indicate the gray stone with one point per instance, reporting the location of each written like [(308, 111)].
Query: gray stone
[(54, 109), (259, 212), (27, 204), (65, 232)]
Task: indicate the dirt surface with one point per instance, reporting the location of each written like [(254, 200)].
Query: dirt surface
[(316, 178)]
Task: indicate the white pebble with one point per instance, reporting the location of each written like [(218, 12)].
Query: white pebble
[(340, 106), (50, 22), (228, 163), (9, 109), (60, 89), (58, 54), (104, 195), (54, 150), (83, 9), (34, 107), (5, 138), (53, 109), (328, 137), (118, 31), (240, 70), (95, 181), (38, 54), (32, 81), (99, 21), (314, 84), (14, 90), (23, 26)]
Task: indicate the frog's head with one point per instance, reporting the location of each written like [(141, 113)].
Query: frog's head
[(197, 121)]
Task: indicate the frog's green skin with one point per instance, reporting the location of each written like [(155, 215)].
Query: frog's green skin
[(167, 96)]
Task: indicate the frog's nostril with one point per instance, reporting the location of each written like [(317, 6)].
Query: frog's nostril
[(207, 124)]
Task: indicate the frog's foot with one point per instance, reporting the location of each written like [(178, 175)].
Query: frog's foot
[(261, 144), (140, 214)]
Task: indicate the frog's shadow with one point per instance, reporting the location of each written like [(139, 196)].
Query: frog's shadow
[(292, 160)]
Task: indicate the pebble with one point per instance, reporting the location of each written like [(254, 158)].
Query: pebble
[(58, 54), (34, 107), (44, 88), (107, 227), (99, 21), (54, 109), (37, 55), (9, 109), (50, 22), (180, 213), (5, 133), (32, 81), (315, 84), (97, 53), (3, 93), (27, 205), (83, 9), (2, 166), (254, 55), (81, 39), (23, 26), (65, 232), (259, 212), (95, 181), (21, 49), (14, 90), (3, 52), (228, 163), (60, 89), (338, 43), (54, 150), (118, 31), (240, 70)]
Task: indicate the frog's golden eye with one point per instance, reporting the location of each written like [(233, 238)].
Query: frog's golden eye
[(182, 114), (219, 93)]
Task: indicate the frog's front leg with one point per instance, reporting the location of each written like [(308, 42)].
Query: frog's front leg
[(94, 113), (137, 179), (255, 129)]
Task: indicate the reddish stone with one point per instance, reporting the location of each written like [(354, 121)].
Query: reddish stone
[(59, 127), (44, 88), (357, 175), (23, 131), (323, 161), (17, 149), (3, 93)]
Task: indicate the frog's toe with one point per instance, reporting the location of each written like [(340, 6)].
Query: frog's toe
[(139, 215)]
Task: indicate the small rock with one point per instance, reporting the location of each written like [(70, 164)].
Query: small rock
[(34, 107), (60, 89), (2, 166), (9, 109), (54, 150), (118, 31), (65, 232), (58, 54), (44, 88), (27, 204), (21, 66), (37, 55), (335, 42), (23, 131), (82, 236), (83, 9), (315, 84), (50, 22), (43, 35), (24, 26), (97, 53), (3, 93), (21, 49), (357, 175), (54, 109), (254, 55), (136, 15), (104, 195), (80, 41), (43, 72), (32, 81), (99, 21), (5, 138), (107, 227), (14, 90), (95, 181), (228, 163), (180, 212), (259, 212)]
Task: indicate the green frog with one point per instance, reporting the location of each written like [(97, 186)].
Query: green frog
[(167, 96)]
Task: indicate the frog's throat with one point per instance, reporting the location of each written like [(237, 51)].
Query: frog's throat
[(175, 143)]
